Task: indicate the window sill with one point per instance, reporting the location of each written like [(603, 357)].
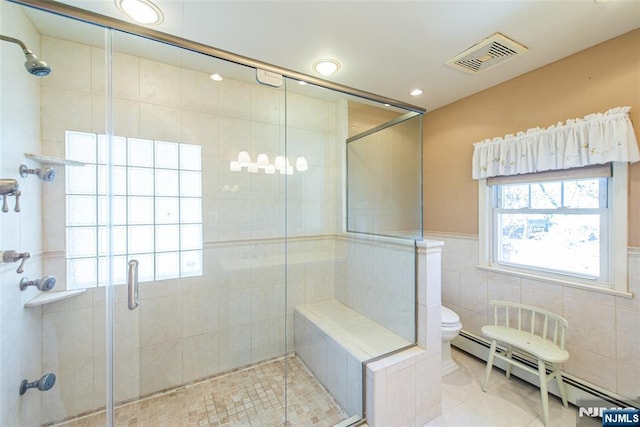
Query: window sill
[(47, 297), (555, 281)]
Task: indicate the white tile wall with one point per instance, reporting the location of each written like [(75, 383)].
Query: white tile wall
[(602, 335), (20, 328)]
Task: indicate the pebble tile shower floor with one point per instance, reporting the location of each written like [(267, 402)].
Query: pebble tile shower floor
[(249, 397)]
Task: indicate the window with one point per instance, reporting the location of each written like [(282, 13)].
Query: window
[(566, 226), (156, 209), (558, 226)]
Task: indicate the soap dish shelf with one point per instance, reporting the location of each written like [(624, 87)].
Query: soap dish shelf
[(50, 160), (52, 296)]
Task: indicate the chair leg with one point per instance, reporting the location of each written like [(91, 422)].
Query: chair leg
[(561, 387), (544, 397), (509, 353), (487, 372)]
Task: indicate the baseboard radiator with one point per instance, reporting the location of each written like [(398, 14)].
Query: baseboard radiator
[(578, 390)]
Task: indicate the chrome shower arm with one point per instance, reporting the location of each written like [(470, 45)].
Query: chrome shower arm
[(25, 49)]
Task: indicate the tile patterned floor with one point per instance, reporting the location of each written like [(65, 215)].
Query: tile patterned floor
[(507, 402), (250, 397), (255, 396)]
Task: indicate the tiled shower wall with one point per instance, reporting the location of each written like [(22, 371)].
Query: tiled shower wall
[(602, 337), (234, 314), (20, 330)]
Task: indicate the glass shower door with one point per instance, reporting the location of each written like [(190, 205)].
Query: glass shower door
[(197, 204)]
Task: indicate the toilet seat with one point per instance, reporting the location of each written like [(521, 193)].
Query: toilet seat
[(449, 318)]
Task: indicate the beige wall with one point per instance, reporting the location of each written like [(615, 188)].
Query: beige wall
[(594, 80)]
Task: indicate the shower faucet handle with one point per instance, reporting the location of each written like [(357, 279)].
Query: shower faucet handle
[(17, 207), (5, 205), (13, 256)]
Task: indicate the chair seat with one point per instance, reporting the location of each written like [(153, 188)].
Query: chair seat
[(530, 343)]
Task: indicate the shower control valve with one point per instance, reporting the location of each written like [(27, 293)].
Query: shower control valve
[(13, 256)]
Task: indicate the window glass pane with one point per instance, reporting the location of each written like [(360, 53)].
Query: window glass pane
[(119, 270), (119, 242), (146, 267), (103, 154), (81, 179), (81, 241), (191, 263), (103, 182), (563, 243), (140, 182), (190, 184), (167, 265), (166, 155), (103, 212), (546, 195), (140, 239), (102, 271), (80, 146), (119, 210), (119, 180), (82, 272), (191, 210), (167, 238), (140, 152), (119, 150), (190, 157), (191, 236), (167, 210), (515, 196), (140, 210), (166, 182), (81, 210), (584, 193)]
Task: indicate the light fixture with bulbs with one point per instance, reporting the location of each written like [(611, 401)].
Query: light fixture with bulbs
[(326, 67), (281, 164), (142, 11)]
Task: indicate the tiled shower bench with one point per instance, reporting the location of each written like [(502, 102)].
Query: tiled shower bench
[(334, 341)]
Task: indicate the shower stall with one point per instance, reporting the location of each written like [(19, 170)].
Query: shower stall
[(188, 219)]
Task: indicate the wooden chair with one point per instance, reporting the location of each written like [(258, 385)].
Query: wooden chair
[(534, 331)]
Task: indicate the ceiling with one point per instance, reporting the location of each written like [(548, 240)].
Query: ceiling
[(391, 47)]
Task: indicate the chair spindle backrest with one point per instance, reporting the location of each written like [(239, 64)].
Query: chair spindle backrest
[(553, 325)]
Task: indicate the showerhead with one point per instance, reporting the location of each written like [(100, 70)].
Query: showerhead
[(34, 66)]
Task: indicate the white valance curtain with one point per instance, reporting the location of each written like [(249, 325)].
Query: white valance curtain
[(596, 139)]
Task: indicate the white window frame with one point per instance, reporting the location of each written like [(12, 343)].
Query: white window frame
[(617, 282)]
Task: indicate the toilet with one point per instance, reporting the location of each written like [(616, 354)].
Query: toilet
[(450, 327)]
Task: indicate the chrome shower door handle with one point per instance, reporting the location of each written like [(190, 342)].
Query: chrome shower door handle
[(132, 285)]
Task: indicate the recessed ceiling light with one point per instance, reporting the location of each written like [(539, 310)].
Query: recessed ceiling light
[(302, 82), (141, 11), (326, 67), (217, 77), (416, 92)]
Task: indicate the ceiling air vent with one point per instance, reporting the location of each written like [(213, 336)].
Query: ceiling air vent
[(488, 53)]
